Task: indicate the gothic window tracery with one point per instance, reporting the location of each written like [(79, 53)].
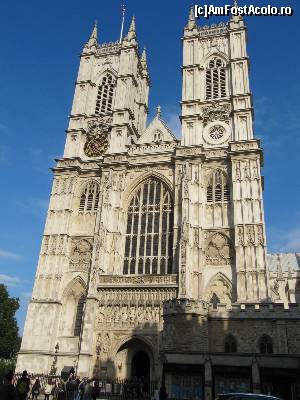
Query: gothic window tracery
[(230, 344), (149, 235), (215, 79), (218, 190), (89, 199), (105, 94), (78, 317), (265, 345)]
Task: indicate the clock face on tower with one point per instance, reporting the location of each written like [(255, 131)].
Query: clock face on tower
[(97, 136), (216, 133)]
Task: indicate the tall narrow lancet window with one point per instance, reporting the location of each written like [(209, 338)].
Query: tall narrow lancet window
[(89, 198), (218, 188), (265, 345), (149, 235), (105, 95), (78, 316), (215, 79)]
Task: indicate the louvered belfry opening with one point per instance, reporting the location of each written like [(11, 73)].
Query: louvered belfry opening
[(89, 199), (149, 234), (104, 102), (215, 79), (218, 189)]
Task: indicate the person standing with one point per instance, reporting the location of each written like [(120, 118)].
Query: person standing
[(7, 389), (87, 392), (95, 390), (61, 390), (163, 395), (48, 391), (36, 389), (23, 386)]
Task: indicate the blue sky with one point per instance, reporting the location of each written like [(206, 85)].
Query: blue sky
[(41, 43)]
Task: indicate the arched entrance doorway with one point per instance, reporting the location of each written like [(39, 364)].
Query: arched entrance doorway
[(140, 365), (135, 359)]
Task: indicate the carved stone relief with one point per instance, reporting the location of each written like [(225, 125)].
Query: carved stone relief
[(216, 112), (54, 244), (220, 288), (219, 250), (245, 171), (63, 186), (128, 315), (250, 235), (97, 136), (81, 252)]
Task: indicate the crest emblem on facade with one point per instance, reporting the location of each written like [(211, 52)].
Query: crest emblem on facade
[(97, 136)]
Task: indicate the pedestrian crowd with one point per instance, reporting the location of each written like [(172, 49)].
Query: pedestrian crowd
[(74, 388)]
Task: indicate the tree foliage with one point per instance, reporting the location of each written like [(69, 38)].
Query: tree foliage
[(9, 337)]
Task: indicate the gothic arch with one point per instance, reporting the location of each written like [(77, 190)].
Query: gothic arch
[(80, 188), (100, 74), (211, 54), (127, 339), (71, 296), (219, 250), (148, 220), (211, 172), (77, 281), (265, 344), (129, 193), (219, 287), (217, 186), (126, 350)]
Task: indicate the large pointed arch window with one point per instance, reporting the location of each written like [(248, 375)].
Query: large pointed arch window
[(149, 235), (215, 79), (105, 95)]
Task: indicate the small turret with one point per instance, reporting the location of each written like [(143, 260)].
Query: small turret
[(131, 35), (93, 41)]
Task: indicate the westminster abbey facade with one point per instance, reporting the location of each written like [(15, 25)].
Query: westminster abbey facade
[(153, 261)]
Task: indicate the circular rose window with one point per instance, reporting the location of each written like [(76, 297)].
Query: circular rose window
[(216, 132)]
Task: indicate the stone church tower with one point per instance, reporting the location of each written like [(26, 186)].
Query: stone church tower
[(154, 251)]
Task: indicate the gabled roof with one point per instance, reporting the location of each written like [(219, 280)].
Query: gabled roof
[(284, 261), (157, 131)]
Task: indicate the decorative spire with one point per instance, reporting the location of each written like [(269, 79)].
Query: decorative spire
[(144, 55), (191, 21), (132, 25), (144, 59), (158, 111), (93, 38), (131, 35), (94, 34), (236, 20)]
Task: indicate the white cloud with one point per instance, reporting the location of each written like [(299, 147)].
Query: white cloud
[(8, 254), (291, 241), (11, 281), (26, 295), (285, 240)]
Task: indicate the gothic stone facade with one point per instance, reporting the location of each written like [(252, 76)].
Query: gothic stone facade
[(154, 251)]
